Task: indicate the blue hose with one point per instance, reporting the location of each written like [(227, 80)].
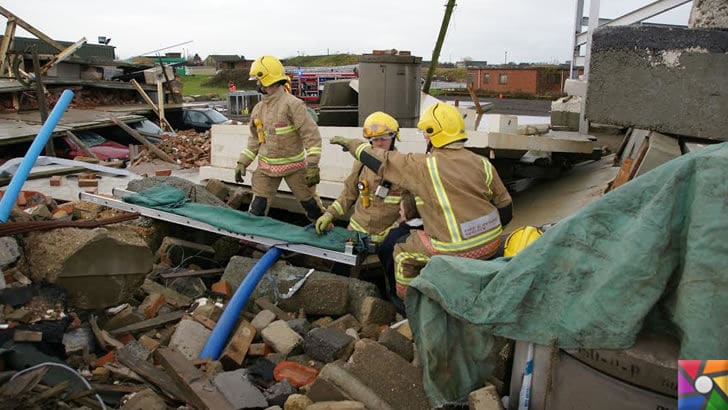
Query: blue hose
[(220, 334), (11, 194)]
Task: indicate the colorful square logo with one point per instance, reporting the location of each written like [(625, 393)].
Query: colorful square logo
[(702, 385)]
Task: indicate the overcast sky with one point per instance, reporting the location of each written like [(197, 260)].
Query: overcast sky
[(527, 30)]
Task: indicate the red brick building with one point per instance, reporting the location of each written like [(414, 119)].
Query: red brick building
[(541, 80)]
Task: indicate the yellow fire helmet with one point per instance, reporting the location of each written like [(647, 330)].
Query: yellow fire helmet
[(443, 124), (380, 124), (519, 239), (268, 70)]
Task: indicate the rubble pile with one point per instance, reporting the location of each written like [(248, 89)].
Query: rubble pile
[(189, 148)]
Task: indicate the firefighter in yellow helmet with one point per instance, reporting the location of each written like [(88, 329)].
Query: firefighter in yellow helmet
[(375, 200), (464, 204), (286, 141)]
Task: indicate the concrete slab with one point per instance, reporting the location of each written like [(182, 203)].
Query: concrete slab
[(666, 79)]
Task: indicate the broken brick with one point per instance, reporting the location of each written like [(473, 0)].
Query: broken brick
[(163, 172), (296, 374), (55, 180), (222, 287), (86, 183), (151, 304), (107, 358)]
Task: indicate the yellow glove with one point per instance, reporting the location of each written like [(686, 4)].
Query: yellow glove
[(239, 172), (322, 224), (343, 141), (312, 175)]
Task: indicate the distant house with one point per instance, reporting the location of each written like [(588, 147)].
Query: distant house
[(226, 62), (535, 80), (471, 64)]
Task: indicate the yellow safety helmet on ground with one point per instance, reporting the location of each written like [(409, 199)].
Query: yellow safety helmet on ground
[(268, 70), (519, 239), (380, 124), (443, 124)]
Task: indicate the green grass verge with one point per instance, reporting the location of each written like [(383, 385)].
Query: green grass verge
[(192, 85)]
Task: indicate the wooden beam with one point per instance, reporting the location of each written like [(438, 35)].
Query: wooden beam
[(64, 55), (162, 121), (192, 380), (30, 29), (80, 144), (160, 320), (6, 44), (158, 152), (160, 101), (153, 375)]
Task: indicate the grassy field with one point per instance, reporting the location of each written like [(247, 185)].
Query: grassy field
[(193, 86)]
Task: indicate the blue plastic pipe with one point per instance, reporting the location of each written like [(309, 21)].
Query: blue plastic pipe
[(220, 334), (11, 194)]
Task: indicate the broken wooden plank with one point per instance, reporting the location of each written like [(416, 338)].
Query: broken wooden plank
[(623, 174), (103, 338), (640, 157), (172, 297), (236, 350), (192, 273), (48, 392), (204, 394), (6, 44), (152, 374), (80, 144), (158, 152), (117, 388), (148, 100), (30, 29), (265, 303), (23, 383), (204, 321), (144, 325)]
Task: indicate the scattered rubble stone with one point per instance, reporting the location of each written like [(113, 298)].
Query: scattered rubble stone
[(327, 344), (277, 394), (345, 322), (376, 311), (239, 391), (281, 337), (188, 148), (9, 251), (189, 338), (264, 318), (297, 402), (396, 342), (485, 398)]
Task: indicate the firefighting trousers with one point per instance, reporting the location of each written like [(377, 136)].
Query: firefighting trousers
[(413, 254), (265, 188)]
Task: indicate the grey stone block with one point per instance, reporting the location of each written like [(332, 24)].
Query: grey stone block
[(189, 338), (376, 311), (709, 14), (239, 391), (345, 322), (300, 326), (326, 344), (358, 291), (9, 251), (665, 79), (396, 342), (277, 394), (485, 398), (263, 319)]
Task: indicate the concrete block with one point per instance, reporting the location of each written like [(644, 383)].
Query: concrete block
[(300, 326), (9, 251), (217, 188), (327, 344), (345, 322), (376, 311), (81, 340), (358, 291), (507, 124), (391, 379), (263, 319), (485, 399), (321, 294), (336, 383), (297, 402), (396, 342), (337, 405), (665, 79), (239, 391), (189, 338), (281, 337), (278, 393), (660, 150), (709, 14)]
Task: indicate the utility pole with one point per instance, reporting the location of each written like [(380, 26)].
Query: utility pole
[(438, 46)]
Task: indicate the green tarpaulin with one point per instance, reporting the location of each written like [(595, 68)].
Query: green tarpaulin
[(655, 248), (169, 199)]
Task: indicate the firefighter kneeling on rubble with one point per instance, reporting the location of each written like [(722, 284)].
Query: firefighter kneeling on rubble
[(464, 203), (286, 141), (375, 200)]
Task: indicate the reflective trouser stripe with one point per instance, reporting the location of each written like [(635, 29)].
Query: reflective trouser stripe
[(469, 243), (282, 161), (442, 198)]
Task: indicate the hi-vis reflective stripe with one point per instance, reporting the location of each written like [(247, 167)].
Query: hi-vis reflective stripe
[(419, 201), (392, 199), (313, 151), (488, 175), (376, 238), (399, 259), (474, 242), (282, 161), (359, 149), (452, 225), (337, 207), (285, 130), (248, 153)]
